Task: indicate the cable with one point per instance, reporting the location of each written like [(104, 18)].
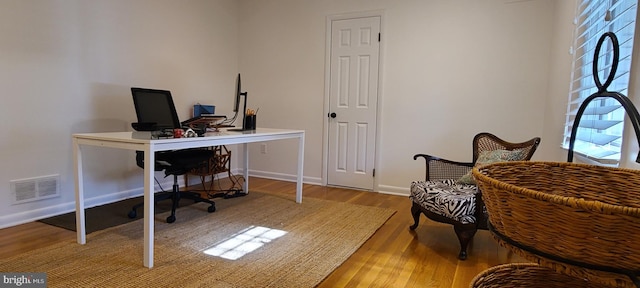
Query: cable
[(230, 121), (161, 189)]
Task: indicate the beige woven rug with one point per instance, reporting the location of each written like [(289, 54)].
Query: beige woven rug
[(320, 235)]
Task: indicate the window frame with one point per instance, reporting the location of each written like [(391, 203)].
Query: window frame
[(599, 137)]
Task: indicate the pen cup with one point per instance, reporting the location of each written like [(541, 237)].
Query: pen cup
[(249, 122)]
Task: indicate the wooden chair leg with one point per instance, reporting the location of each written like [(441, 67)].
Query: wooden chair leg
[(465, 233), (415, 212)]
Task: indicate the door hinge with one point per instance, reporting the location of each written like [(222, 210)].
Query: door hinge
[(379, 37), (374, 172)]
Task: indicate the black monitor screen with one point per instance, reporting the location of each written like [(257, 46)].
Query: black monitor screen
[(155, 106), (236, 104)]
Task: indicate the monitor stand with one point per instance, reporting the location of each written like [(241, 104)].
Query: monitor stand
[(244, 116)]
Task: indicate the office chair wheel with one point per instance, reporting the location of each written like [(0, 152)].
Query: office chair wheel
[(132, 214), (171, 219), (212, 208)]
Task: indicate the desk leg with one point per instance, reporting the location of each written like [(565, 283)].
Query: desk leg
[(245, 170), (81, 233), (149, 160), (300, 169)]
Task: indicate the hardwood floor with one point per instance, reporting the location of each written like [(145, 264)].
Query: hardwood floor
[(393, 257)]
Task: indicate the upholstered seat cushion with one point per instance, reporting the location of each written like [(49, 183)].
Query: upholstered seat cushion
[(446, 198)]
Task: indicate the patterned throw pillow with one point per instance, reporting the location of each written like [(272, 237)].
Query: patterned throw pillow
[(488, 157)]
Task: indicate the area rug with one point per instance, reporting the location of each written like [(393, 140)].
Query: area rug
[(315, 237)]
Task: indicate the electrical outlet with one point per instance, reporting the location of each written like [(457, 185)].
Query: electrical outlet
[(263, 148)]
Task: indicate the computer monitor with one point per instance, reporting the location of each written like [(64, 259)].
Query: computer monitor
[(238, 95), (155, 106), (236, 105)]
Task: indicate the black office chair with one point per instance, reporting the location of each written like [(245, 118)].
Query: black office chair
[(155, 111)]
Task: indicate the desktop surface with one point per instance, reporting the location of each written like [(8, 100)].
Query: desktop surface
[(138, 137)]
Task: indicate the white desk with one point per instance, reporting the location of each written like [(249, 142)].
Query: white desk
[(125, 140)]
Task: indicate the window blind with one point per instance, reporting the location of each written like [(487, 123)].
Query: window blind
[(600, 130)]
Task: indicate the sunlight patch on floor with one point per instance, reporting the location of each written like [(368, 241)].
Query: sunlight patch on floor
[(244, 242)]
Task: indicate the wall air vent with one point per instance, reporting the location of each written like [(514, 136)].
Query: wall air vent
[(33, 189)]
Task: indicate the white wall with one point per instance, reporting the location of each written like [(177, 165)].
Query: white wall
[(559, 77), (450, 69), (67, 67)]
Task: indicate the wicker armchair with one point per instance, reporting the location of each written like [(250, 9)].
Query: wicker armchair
[(449, 194)]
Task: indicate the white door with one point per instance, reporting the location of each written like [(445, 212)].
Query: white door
[(353, 97)]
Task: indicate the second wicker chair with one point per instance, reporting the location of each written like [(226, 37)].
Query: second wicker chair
[(449, 194)]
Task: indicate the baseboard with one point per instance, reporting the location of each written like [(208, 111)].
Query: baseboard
[(394, 190), (283, 177), (384, 189), (62, 208)]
